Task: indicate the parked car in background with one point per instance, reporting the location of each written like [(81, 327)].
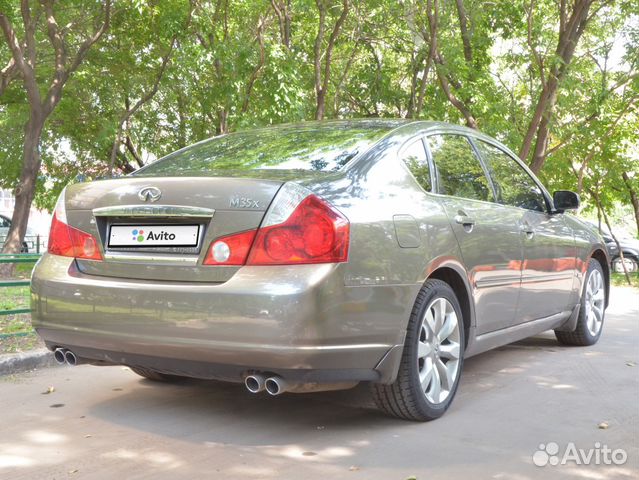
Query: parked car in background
[(315, 256), (30, 239), (630, 250)]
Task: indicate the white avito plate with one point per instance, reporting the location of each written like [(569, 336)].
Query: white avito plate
[(154, 235)]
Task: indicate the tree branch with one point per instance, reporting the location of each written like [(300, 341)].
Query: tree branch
[(432, 14), (57, 41), (458, 104), (28, 73), (283, 14), (7, 74), (255, 73), (29, 32), (88, 43), (463, 27), (331, 42), (533, 49), (131, 148), (62, 74), (156, 84), (317, 48), (322, 81), (130, 111)]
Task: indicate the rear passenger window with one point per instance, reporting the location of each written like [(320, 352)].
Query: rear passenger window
[(459, 171), (414, 156), (514, 186)]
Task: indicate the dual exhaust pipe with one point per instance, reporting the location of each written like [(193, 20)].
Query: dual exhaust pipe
[(274, 385), (256, 383), (65, 356)]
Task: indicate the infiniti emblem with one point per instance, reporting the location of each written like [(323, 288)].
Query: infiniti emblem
[(150, 194)]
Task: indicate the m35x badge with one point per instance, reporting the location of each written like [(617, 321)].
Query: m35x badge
[(243, 202)]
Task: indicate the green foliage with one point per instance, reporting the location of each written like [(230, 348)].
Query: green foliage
[(228, 68)]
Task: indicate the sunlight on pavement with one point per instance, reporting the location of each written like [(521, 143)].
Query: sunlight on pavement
[(40, 447), (296, 452), (160, 459)]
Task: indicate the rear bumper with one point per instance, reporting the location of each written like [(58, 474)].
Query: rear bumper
[(296, 321)]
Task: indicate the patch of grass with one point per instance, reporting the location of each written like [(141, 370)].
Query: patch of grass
[(21, 343), (10, 324), (16, 332), (619, 279), (23, 270), (14, 297)]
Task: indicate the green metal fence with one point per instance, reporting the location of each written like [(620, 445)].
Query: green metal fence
[(16, 258)]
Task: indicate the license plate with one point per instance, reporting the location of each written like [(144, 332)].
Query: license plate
[(154, 235)]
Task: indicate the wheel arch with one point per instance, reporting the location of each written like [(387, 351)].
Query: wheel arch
[(599, 255)]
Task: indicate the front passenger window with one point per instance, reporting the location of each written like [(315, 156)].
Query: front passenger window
[(515, 187)]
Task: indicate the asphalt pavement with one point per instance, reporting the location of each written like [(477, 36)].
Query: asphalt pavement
[(530, 402)]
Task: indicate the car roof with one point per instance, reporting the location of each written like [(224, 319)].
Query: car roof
[(396, 126), (403, 125)]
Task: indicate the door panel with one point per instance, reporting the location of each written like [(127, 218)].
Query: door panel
[(548, 268), (487, 233), (492, 253)]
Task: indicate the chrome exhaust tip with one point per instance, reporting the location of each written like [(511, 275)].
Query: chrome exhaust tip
[(254, 383), (70, 358), (275, 385), (58, 354)]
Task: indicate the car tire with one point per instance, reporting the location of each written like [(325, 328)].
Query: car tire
[(433, 339), (591, 311), (631, 265), (156, 376)]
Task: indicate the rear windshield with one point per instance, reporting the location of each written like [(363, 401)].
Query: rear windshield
[(317, 147)]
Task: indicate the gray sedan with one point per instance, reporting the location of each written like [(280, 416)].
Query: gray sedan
[(316, 256)]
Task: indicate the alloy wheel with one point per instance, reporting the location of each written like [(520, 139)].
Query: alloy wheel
[(618, 265), (438, 350), (595, 296)]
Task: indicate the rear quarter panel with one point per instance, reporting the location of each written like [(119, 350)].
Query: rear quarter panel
[(587, 241), (381, 277)]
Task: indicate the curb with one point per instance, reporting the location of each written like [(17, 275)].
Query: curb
[(21, 362)]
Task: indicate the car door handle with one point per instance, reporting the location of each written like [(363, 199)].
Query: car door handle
[(527, 229), (464, 220)]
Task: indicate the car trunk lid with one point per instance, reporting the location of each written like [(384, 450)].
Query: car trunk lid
[(160, 228)]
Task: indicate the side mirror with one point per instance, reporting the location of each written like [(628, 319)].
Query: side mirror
[(565, 200)]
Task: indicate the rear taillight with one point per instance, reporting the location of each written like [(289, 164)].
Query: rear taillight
[(314, 233), (230, 250), (298, 228), (68, 241)]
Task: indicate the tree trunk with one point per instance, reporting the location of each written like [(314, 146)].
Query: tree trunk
[(24, 58), (570, 33), (222, 117), (181, 140), (543, 134), (283, 11), (321, 104), (633, 198), (25, 191), (322, 80)]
